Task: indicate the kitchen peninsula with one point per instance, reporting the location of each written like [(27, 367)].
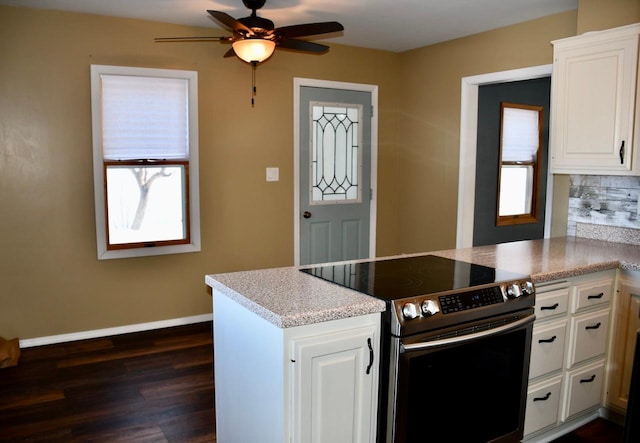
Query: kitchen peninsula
[(269, 325)]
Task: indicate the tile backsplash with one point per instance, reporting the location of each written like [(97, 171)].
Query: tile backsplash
[(603, 200)]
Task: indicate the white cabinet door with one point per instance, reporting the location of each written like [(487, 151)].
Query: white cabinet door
[(543, 403), (592, 294), (589, 333), (583, 389), (551, 304), (547, 348), (593, 102), (334, 383)]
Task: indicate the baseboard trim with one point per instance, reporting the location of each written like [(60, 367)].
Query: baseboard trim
[(563, 429), (97, 333)]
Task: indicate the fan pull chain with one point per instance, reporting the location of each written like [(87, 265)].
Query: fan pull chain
[(253, 82)]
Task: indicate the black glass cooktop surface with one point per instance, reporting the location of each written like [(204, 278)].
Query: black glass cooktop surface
[(410, 276)]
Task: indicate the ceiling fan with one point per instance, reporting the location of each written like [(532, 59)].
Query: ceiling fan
[(255, 38)]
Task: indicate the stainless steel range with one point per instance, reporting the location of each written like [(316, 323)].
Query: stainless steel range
[(456, 347)]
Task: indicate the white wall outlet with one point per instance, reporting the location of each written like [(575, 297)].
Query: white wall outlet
[(273, 174)]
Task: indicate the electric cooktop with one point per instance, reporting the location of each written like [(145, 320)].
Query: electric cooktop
[(404, 277)]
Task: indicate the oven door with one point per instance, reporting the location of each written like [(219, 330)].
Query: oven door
[(468, 384)]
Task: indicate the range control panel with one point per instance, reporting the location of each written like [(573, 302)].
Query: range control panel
[(470, 300), (466, 300)]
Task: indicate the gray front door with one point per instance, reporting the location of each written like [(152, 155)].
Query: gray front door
[(335, 174)]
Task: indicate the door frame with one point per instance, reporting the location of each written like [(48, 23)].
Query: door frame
[(298, 83), (468, 147)]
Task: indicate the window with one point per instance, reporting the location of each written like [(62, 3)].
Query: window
[(145, 151), (336, 157), (519, 176)]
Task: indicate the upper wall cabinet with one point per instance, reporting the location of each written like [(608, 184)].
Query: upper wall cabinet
[(593, 100)]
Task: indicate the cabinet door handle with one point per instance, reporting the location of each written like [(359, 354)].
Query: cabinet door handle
[(547, 340), (549, 308), (370, 355), (622, 153), (596, 326), (588, 380), (600, 295), (546, 397)]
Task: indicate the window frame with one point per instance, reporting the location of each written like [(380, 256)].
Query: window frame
[(532, 216), (192, 207)]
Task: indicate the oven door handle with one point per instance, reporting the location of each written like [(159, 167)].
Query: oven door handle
[(464, 338)]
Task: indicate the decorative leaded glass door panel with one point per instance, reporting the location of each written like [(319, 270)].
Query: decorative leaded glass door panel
[(335, 174)]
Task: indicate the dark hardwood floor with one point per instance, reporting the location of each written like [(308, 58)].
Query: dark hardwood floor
[(154, 386), (596, 431)]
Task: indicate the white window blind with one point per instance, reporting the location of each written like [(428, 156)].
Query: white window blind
[(144, 117), (145, 208), (520, 135)]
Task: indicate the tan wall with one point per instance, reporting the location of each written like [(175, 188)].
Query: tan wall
[(596, 15), (51, 281), (430, 118)]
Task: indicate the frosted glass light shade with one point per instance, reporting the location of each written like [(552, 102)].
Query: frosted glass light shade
[(254, 49)]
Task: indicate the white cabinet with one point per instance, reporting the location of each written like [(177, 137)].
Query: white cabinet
[(589, 333), (548, 344), (311, 383), (624, 341), (543, 402), (551, 301), (593, 101), (583, 387), (547, 348), (568, 352), (333, 386)]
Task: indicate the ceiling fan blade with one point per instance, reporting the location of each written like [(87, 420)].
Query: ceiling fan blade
[(309, 29), (229, 22), (203, 38), (302, 45), (230, 53)]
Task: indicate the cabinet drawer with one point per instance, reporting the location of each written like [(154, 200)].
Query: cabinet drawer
[(547, 348), (588, 336), (552, 303), (584, 389), (543, 403), (591, 294)]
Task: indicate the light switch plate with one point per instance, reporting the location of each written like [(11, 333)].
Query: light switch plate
[(273, 174)]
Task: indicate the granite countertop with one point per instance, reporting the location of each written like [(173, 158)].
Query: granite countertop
[(287, 297), (552, 259)]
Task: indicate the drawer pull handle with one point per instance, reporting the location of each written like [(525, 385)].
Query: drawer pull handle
[(596, 326), (549, 308), (370, 356), (546, 397), (588, 380), (622, 153), (547, 340), (595, 296)]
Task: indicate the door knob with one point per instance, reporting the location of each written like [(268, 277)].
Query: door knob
[(306, 214)]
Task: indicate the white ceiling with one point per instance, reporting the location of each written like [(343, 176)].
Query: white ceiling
[(393, 25)]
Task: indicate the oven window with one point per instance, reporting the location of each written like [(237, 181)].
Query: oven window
[(473, 392)]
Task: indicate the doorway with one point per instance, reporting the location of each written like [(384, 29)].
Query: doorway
[(335, 171), (468, 140), (529, 93)]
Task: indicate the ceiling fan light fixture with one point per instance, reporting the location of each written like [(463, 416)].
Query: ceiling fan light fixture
[(254, 50)]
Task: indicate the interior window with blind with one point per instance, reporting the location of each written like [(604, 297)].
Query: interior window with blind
[(520, 138), (145, 161)]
